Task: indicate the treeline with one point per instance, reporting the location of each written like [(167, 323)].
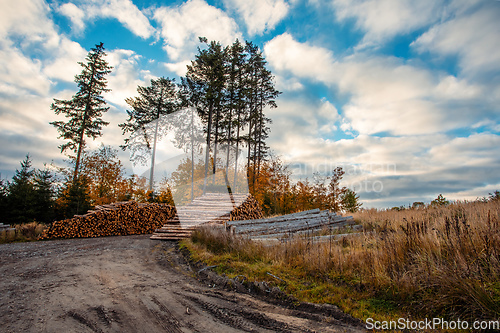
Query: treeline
[(49, 194), (279, 194), (229, 88)]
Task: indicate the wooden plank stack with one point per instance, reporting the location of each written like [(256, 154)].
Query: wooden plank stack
[(117, 219), (210, 208), (288, 225)]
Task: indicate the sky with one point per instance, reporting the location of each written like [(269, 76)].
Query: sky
[(404, 95)]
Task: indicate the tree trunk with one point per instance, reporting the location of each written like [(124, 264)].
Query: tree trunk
[(151, 174), (207, 153), (84, 124), (192, 154)]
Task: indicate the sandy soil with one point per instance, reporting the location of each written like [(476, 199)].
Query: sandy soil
[(134, 284)]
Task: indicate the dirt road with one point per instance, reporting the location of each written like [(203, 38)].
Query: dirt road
[(132, 284)]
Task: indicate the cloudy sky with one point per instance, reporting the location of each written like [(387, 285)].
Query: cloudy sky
[(403, 94)]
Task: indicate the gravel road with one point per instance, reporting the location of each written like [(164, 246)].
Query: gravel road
[(133, 284)]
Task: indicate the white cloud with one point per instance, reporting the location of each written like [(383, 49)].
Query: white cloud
[(285, 54), (27, 19), (288, 84), (385, 94), (182, 25), (19, 74), (459, 89), (474, 150), (473, 37), (75, 14), (64, 65), (125, 76), (384, 19), (125, 11), (259, 15), (179, 68)]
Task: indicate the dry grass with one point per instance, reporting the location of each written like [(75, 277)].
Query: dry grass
[(26, 232), (436, 261)]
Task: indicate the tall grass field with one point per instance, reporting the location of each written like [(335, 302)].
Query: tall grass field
[(435, 261)]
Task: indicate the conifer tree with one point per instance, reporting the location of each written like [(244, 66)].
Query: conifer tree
[(44, 196), (3, 199), (206, 79), (159, 99), (21, 194), (235, 104), (350, 201), (84, 111)]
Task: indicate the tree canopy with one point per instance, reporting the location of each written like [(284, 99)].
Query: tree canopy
[(84, 111)]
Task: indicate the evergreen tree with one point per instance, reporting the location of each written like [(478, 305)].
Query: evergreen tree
[(74, 199), (22, 194), (159, 99), (87, 106), (335, 190), (3, 200), (260, 94), (440, 201), (235, 101), (350, 201), (44, 196), (206, 79)]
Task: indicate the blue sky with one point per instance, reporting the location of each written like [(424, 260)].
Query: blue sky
[(403, 94)]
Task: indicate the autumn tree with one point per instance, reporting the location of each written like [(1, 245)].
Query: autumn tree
[(154, 101), (105, 176), (84, 111)]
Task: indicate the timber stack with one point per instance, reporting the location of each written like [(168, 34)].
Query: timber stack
[(117, 219), (210, 208), (289, 225)]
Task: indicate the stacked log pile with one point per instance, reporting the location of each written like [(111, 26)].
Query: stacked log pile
[(213, 208), (291, 224), (118, 219), (248, 210)]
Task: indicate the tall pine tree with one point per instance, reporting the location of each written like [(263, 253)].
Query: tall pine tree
[(206, 79), (159, 99), (84, 111)]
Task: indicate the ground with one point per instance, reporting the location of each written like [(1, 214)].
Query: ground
[(134, 284)]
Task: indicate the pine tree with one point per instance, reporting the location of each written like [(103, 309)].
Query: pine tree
[(206, 80), (235, 102), (22, 194), (3, 200), (260, 94), (74, 198), (350, 201), (86, 107), (44, 195), (335, 190), (159, 99)]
